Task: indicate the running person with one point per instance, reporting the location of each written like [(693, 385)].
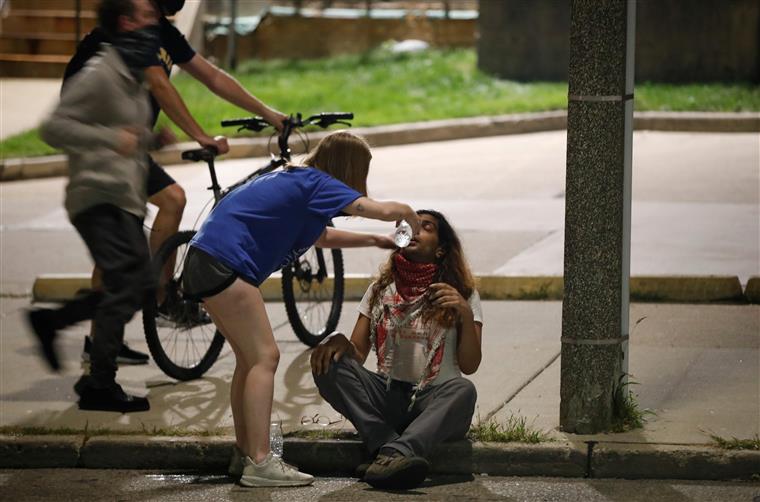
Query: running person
[(163, 190)]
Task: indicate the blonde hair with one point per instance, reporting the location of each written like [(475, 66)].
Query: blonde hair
[(344, 156)]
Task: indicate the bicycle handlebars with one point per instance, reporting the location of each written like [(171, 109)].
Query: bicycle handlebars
[(322, 120), (206, 153)]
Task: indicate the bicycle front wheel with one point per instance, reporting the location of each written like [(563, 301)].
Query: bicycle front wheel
[(312, 288), (181, 336)]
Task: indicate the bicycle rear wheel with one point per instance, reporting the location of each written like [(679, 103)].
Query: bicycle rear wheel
[(182, 338), (312, 288)]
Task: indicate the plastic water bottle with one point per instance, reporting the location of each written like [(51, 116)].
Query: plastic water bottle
[(275, 439), (403, 235)]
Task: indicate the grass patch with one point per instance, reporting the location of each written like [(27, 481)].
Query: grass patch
[(321, 434), (735, 443), (513, 429), (382, 87), (25, 144), (626, 414)]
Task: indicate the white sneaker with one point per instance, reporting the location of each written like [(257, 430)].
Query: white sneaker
[(272, 471)]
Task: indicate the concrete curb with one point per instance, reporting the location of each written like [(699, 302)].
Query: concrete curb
[(752, 290), (674, 289), (331, 456), (656, 461), (39, 451), (420, 132)]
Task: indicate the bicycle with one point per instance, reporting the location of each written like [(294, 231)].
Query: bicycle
[(185, 343)]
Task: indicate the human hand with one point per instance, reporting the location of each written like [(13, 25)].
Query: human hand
[(277, 119), (217, 142), (446, 296), (385, 242), (128, 141), (324, 354), (410, 216)]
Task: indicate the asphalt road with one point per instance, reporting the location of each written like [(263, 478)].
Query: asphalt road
[(102, 485)]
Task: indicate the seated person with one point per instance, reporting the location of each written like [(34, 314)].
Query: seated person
[(423, 319)]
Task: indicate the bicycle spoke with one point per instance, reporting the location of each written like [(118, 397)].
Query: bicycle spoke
[(184, 331)]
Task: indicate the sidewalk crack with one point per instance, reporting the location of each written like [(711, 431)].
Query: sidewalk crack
[(519, 389)]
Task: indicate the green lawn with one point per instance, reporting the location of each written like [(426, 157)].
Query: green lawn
[(385, 88)]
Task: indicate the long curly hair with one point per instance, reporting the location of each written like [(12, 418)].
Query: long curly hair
[(452, 269)]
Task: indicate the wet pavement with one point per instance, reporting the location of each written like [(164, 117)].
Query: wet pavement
[(115, 485)]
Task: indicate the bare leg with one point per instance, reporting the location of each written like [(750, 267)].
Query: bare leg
[(240, 309), (171, 204), (236, 389)]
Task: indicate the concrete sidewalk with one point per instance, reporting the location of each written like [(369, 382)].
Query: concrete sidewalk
[(697, 367), (24, 102), (695, 211)]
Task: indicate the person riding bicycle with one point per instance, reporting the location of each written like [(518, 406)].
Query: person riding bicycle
[(103, 122), (423, 319), (163, 190), (257, 229)]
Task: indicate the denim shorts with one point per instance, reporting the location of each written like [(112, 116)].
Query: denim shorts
[(205, 276)]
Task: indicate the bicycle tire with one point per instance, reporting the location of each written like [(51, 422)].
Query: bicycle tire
[(314, 333), (157, 343)]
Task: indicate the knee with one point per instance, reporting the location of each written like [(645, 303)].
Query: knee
[(269, 358), (464, 392), (172, 199), (329, 379)]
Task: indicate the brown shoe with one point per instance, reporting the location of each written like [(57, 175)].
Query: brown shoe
[(396, 472)]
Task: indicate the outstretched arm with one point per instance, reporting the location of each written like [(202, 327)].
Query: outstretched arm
[(384, 211), (334, 238), (228, 88), (174, 107)]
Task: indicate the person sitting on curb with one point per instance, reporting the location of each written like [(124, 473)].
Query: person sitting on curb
[(423, 319), (103, 123)]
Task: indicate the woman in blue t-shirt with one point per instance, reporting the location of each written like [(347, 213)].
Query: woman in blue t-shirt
[(254, 231)]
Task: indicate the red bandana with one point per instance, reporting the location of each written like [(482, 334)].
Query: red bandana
[(400, 308), (412, 279)]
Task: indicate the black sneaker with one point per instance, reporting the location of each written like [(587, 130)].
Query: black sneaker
[(42, 322), (361, 470), (164, 316), (110, 399), (396, 472), (82, 385), (126, 354)]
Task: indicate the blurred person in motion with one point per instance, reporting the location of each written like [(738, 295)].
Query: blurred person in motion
[(163, 191), (103, 123)]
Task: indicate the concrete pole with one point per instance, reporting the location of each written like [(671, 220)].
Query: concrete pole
[(598, 211)]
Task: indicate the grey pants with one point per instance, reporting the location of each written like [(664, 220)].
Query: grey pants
[(440, 413), (118, 246)]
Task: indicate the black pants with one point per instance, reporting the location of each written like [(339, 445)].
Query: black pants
[(119, 248), (440, 413)]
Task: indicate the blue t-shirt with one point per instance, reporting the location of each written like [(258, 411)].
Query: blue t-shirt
[(270, 221)]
